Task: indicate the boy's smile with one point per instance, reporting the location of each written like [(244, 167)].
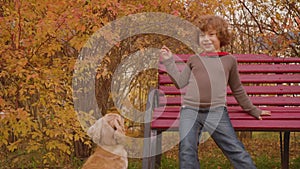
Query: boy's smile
[(209, 41)]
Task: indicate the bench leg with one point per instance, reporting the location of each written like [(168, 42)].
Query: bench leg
[(146, 147), (149, 135), (284, 149), (158, 149), (150, 159)]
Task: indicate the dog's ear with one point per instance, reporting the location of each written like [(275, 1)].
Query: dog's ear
[(94, 131)]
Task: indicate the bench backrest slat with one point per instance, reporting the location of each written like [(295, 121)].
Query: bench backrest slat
[(249, 58), (258, 68), (252, 78), (279, 89), (257, 100)]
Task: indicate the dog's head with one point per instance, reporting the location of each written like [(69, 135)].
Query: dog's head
[(108, 130)]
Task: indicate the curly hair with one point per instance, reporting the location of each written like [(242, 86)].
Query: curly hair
[(213, 22)]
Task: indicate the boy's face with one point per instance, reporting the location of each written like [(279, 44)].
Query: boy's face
[(209, 41)]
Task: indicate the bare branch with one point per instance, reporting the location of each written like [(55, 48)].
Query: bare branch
[(254, 18)]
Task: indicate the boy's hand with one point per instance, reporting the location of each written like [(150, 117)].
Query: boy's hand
[(264, 113), (165, 53)]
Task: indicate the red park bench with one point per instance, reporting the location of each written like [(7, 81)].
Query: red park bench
[(272, 83)]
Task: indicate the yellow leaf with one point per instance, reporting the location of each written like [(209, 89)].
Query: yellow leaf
[(76, 137), (13, 146)]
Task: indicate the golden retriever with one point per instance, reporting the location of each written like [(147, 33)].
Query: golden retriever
[(108, 133)]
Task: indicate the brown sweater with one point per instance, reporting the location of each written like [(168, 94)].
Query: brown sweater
[(206, 80)]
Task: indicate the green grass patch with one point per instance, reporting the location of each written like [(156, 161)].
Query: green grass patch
[(166, 163), (266, 162), (295, 163), (134, 164)]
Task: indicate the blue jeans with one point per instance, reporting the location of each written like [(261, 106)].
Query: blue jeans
[(216, 121)]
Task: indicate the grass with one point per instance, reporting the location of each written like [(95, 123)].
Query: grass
[(295, 163), (264, 148)]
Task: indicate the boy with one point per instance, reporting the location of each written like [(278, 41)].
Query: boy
[(206, 77)]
